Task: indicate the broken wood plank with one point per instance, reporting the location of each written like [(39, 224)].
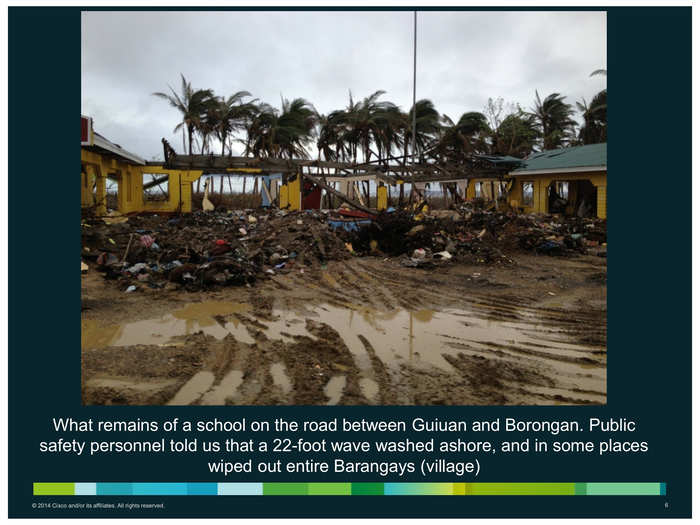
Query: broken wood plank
[(342, 197)]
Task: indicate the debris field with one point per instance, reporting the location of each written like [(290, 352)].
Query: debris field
[(462, 306)]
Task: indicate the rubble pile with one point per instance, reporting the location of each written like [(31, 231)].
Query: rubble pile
[(201, 250), (222, 248), (478, 236)]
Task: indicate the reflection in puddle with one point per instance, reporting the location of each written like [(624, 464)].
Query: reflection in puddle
[(280, 377), (428, 335), (369, 388), (425, 337), (128, 384), (334, 389), (193, 389), (225, 389), (192, 318)]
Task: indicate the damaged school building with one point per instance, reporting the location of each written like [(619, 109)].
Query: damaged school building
[(569, 181)]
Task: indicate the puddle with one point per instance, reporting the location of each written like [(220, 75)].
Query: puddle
[(424, 337), (193, 389), (420, 339), (228, 387), (192, 318), (334, 389), (125, 384), (279, 375), (369, 388), (286, 325)]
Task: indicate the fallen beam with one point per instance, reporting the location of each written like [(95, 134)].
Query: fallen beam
[(342, 197)]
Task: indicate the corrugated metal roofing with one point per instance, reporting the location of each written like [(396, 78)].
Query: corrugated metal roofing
[(561, 159), (101, 143)]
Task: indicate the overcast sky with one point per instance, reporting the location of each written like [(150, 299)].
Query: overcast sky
[(463, 59)]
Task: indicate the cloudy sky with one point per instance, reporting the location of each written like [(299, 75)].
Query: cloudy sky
[(463, 59)]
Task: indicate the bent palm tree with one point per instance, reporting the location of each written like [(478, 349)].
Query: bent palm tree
[(595, 116), (229, 116), (427, 126), (516, 135), (456, 140), (192, 104), (276, 133), (554, 118)]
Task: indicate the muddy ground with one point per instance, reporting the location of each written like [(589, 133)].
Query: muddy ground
[(358, 331)]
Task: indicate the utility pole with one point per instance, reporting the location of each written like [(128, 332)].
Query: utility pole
[(413, 127)]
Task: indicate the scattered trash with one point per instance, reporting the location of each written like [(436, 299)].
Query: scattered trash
[(105, 259), (147, 240), (233, 247), (131, 288), (137, 268), (83, 267), (114, 217)]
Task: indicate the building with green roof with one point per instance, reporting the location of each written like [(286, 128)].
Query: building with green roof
[(572, 181)]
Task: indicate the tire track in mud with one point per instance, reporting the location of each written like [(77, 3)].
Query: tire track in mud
[(559, 357)]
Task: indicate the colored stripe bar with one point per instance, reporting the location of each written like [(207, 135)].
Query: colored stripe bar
[(349, 489)]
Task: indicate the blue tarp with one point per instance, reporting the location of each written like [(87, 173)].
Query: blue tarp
[(266, 180), (349, 225)]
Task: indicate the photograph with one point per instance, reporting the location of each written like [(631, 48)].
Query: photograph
[(343, 207)]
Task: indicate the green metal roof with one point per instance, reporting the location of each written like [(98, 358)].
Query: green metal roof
[(498, 159), (565, 158)]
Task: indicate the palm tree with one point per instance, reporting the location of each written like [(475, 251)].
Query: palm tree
[(192, 104), (554, 118), (285, 132), (331, 135), (229, 116), (595, 116), (427, 127), (517, 135), (456, 140), (364, 121)]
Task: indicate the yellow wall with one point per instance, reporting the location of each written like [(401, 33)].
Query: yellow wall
[(542, 182), (130, 185), (486, 188)]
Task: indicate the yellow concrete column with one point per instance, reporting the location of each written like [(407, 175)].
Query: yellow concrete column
[(86, 181), (602, 204), (284, 196), (471, 190), (381, 198), (101, 189), (541, 186), (185, 192), (294, 189)]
